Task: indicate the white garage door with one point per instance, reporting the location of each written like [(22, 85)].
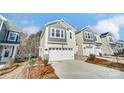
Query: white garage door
[(98, 50), (89, 51), (58, 54)]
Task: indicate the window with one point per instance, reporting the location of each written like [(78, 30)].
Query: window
[(53, 32), (111, 39), (62, 33), (6, 53), (95, 38), (12, 36), (88, 35), (70, 35), (57, 33)]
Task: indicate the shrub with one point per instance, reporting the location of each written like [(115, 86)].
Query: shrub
[(31, 62), (91, 57), (39, 58), (100, 54), (115, 54), (45, 62)]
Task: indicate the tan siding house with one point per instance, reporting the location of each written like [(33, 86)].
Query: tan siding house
[(108, 43), (88, 42), (57, 41)]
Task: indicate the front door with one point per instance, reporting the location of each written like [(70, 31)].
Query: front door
[(6, 54)]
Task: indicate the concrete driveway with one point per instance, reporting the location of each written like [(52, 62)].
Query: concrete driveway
[(78, 69)]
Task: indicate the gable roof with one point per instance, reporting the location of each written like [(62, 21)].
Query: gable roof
[(59, 21), (89, 27), (3, 18), (105, 34), (9, 25), (56, 21), (120, 41)]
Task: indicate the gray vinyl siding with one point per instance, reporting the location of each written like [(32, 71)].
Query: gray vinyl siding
[(57, 39), (86, 40)]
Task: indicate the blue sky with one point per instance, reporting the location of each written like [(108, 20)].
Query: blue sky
[(32, 22)]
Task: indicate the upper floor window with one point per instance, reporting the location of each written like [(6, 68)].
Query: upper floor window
[(70, 35), (88, 35), (12, 36), (53, 32), (111, 39), (95, 38), (57, 33), (62, 33)]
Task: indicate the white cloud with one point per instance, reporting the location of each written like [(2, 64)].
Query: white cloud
[(31, 29), (26, 22), (110, 25)]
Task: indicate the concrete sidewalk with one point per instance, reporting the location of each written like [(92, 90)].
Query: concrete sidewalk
[(78, 69)]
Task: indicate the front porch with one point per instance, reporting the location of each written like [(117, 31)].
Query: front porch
[(7, 52)]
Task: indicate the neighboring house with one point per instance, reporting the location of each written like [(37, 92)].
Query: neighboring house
[(88, 42), (108, 43), (57, 41), (9, 40), (120, 46)]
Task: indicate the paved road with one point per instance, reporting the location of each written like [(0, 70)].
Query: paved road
[(81, 70)]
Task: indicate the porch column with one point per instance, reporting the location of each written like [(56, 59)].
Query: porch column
[(14, 51)]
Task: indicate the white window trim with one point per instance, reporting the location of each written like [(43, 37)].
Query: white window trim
[(9, 36), (91, 35), (55, 33), (111, 38)]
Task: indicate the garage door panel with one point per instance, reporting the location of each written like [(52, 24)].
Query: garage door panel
[(56, 55), (89, 51)]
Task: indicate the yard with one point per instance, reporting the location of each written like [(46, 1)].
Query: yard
[(36, 69), (106, 63)]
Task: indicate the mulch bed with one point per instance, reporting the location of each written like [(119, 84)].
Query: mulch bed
[(40, 71), (106, 63)]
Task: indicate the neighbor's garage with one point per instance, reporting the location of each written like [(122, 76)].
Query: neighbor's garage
[(98, 50), (89, 50), (58, 54)]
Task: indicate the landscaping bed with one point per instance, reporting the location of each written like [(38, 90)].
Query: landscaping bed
[(105, 63), (40, 69)]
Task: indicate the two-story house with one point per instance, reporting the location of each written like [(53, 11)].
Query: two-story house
[(109, 43), (57, 41), (120, 46), (88, 42), (9, 40)]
